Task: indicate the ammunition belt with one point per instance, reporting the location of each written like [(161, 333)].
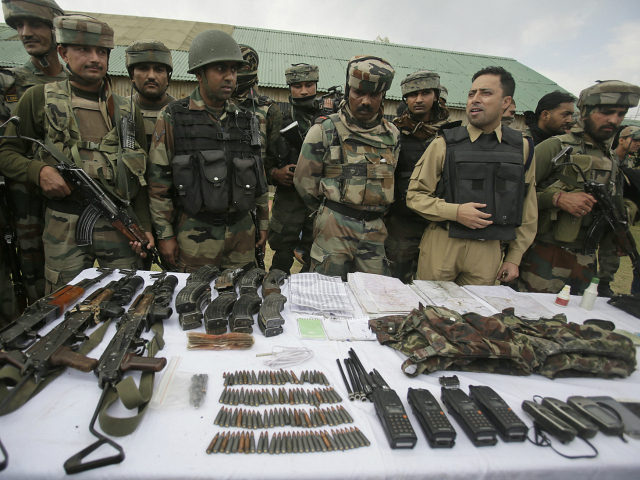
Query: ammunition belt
[(365, 215)]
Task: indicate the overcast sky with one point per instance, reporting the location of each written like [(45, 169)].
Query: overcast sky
[(572, 42)]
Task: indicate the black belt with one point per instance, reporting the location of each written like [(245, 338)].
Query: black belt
[(219, 219), (365, 215)]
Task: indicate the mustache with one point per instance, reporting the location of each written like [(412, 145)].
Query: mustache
[(364, 109), (95, 65)]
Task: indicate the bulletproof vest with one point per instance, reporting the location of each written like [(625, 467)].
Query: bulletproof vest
[(292, 139), (217, 166), (411, 149), (357, 169), (485, 171), (96, 147)]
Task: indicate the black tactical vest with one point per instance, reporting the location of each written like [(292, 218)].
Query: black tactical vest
[(217, 166), (485, 171), (411, 149)]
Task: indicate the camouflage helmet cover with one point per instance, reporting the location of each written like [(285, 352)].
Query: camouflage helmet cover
[(610, 92), (630, 131), (212, 46), (420, 80), (83, 30), (301, 72), (369, 74), (148, 51), (251, 58), (45, 10)]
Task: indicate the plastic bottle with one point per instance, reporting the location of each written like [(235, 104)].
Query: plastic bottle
[(563, 297), (590, 294)]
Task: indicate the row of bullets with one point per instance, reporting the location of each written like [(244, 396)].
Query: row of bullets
[(298, 442), (273, 377), (282, 396), (228, 417)]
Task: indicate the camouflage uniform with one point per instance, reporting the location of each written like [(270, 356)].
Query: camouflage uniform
[(345, 171), (291, 221), (221, 234), (85, 131), (558, 255), (25, 200), (404, 226)]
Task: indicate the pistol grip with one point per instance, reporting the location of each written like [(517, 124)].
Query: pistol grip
[(65, 357), (131, 361)]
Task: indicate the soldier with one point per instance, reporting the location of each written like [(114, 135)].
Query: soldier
[(553, 116), (289, 216), (81, 117), (418, 126), (444, 93), (628, 146), (558, 255), (150, 66), (32, 19), (206, 174), (345, 172), (476, 186), (509, 115)]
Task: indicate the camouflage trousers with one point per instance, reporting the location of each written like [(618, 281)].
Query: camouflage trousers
[(344, 244), (546, 268), (289, 218), (27, 211), (8, 305), (65, 258), (225, 246), (608, 259), (403, 243)]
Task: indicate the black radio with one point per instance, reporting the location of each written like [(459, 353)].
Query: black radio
[(435, 424), (509, 425)]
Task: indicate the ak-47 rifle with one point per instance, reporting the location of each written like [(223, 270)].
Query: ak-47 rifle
[(21, 333), (124, 353), (95, 200)]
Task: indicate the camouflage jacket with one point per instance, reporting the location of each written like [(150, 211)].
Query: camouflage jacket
[(349, 164), (150, 115), (25, 77), (436, 338), (161, 191)]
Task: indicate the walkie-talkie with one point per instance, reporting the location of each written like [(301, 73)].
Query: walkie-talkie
[(435, 424), (607, 421), (127, 132), (509, 425), (544, 419), (467, 413), (584, 427)]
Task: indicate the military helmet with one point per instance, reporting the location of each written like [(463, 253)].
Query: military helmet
[(213, 46), (45, 10), (369, 74), (443, 92), (610, 92), (148, 51), (420, 80), (251, 58), (630, 131), (83, 30), (301, 72)]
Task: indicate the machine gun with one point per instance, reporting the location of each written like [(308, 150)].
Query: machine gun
[(21, 333), (94, 199), (124, 353)]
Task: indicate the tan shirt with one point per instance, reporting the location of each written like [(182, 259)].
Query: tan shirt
[(421, 195)]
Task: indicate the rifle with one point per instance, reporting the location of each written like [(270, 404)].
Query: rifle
[(94, 199), (23, 332), (259, 250), (124, 353)]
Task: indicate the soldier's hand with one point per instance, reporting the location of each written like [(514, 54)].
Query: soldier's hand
[(508, 272), (52, 184), (169, 250), (137, 246), (577, 204), (284, 175), (469, 215), (263, 240)]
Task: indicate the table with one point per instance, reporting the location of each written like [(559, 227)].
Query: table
[(170, 442)]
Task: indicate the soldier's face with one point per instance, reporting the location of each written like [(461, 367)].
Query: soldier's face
[(90, 63), (421, 102), (303, 89), (603, 121), (35, 35), (558, 120), (217, 82), (364, 106), (151, 80), (485, 102)]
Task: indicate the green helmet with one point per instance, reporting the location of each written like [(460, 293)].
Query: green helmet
[(83, 30), (45, 10), (610, 92), (369, 74), (630, 131), (148, 51), (301, 72), (213, 46), (420, 80)]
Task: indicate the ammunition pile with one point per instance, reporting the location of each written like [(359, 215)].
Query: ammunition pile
[(279, 377), (318, 417), (282, 396)]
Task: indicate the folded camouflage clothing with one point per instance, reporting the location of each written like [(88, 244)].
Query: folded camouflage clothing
[(436, 338)]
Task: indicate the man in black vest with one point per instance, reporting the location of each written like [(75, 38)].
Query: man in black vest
[(477, 186)]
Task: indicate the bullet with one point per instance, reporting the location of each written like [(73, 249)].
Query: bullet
[(212, 443)]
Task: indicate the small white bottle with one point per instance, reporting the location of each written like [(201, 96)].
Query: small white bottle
[(590, 294)]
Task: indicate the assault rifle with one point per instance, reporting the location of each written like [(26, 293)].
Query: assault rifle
[(124, 353), (21, 333), (94, 199)]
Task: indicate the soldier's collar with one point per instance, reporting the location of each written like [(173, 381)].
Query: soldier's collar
[(475, 132)]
